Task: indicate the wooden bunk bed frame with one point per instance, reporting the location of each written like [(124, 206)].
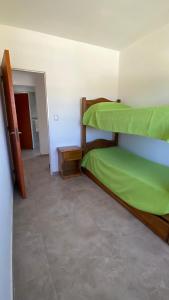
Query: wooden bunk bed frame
[(158, 224)]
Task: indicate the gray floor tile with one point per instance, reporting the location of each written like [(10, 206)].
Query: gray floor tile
[(40, 288)]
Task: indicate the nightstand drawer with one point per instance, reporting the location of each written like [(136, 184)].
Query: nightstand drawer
[(69, 159), (72, 155)]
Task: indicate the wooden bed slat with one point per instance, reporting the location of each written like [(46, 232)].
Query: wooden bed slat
[(99, 143)]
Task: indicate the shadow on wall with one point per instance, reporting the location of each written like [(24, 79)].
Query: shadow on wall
[(146, 147)]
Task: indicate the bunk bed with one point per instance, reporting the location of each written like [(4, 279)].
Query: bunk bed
[(139, 185)]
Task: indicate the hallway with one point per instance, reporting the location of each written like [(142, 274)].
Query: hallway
[(72, 242)]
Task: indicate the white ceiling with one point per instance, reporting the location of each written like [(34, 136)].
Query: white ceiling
[(108, 23)]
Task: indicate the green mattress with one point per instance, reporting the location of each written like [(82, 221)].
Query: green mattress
[(141, 183), (118, 117)]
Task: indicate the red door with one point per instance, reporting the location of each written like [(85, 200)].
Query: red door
[(12, 123), (24, 121)]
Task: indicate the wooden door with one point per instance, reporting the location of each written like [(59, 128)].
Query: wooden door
[(24, 120), (12, 123)]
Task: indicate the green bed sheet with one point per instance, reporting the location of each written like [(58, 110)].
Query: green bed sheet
[(118, 117), (141, 183)]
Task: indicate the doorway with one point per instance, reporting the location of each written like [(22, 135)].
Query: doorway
[(31, 107), (20, 80), (26, 109)]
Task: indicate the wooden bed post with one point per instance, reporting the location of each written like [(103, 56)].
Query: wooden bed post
[(115, 136), (83, 127), (99, 143)]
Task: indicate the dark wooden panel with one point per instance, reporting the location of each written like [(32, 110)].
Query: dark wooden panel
[(24, 121), (72, 155), (13, 123)]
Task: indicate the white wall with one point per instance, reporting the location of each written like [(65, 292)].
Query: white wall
[(36, 80), (34, 120), (6, 213), (40, 90), (73, 70), (23, 88), (144, 81)]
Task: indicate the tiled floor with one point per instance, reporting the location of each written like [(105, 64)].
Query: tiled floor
[(29, 154), (72, 242)]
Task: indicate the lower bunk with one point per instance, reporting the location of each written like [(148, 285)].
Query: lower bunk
[(138, 184)]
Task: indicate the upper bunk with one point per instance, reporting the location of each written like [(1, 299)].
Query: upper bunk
[(121, 118)]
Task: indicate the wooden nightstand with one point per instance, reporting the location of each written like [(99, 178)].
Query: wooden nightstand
[(69, 161)]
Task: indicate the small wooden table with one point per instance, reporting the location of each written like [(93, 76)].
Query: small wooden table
[(69, 161)]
